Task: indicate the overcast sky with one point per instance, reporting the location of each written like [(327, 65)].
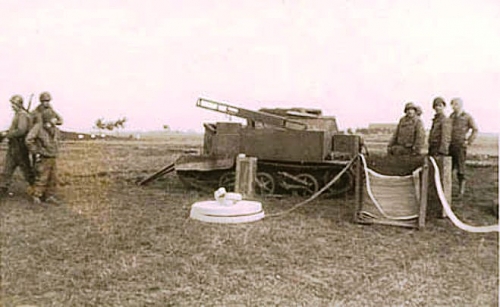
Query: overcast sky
[(359, 60)]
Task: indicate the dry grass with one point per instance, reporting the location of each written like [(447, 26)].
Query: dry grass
[(116, 244)]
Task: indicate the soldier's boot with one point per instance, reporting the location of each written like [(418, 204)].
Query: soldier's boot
[(462, 187)]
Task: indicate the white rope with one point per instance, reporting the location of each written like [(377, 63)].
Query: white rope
[(318, 193), (416, 182), (447, 208), (374, 200)]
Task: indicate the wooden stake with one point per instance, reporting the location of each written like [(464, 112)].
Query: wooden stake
[(358, 189), (424, 185), (246, 170), (444, 164)]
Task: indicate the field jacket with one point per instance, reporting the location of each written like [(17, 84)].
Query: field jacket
[(440, 134), (409, 133), (20, 125), (461, 124), (43, 140), (18, 129), (46, 114)]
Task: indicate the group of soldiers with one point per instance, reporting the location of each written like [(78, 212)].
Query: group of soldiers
[(448, 135), (33, 147)]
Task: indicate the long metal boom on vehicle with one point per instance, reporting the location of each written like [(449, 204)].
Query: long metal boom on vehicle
[(255, 116)]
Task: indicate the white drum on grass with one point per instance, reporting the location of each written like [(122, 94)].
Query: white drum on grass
[(213, 212)]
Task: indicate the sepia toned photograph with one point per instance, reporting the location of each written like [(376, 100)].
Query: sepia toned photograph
[(249, 153)]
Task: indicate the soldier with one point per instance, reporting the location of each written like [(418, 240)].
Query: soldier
[(42, 141), (45, 112), (17, 152), (409, 135), (462, 123), (440, 134)]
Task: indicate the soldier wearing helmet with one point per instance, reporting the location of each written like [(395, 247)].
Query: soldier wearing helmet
[(440, 134), (17, 152), (43, 143), (45, 112), (463, 133), (409, 135)]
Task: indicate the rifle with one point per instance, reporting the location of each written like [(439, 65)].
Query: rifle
[(29, 103)]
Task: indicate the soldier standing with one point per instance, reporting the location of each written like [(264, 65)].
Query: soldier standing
[(43, 143), (17, 152), (409, 135), (45, 112), (462, 123), (440, 134)]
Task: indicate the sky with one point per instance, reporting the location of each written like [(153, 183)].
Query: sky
[(149, 61)]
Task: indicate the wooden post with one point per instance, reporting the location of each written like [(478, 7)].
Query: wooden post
[(246, 170), (444, 164), (424, 186), (358, 189)]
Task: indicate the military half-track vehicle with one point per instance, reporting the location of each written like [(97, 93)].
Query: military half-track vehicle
[(298, 150)]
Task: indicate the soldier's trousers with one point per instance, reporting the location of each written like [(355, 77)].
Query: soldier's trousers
[(458, 155), (46, 178), (433, 149), (16, 157)]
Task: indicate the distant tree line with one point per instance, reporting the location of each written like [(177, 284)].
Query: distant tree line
[(101, 124)]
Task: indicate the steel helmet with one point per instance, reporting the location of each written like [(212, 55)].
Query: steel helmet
[(17, 100), (410, 105), (438, 100), (45, 96)]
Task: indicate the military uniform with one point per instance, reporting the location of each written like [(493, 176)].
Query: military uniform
[(42, 141), (45, 113), (408, 137), (17, 152), (439, 136), (461, 123)]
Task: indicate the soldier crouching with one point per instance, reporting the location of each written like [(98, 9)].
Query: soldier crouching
[(409, 135)]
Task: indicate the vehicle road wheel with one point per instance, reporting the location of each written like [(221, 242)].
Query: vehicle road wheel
[(264, 184), (311, 185)]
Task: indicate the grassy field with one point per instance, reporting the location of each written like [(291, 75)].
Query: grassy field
[(114, 243)]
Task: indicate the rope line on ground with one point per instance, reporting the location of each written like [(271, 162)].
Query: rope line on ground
[(319, 192), (449, 212)]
